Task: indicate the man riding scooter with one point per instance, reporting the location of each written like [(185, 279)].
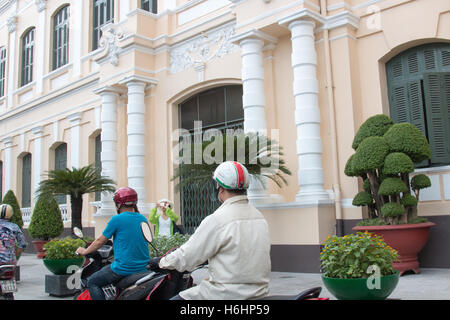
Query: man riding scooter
[(10, 235), (131, 253), (235, 241)]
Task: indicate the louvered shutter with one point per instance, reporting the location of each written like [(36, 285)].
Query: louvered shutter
[(438, 116)]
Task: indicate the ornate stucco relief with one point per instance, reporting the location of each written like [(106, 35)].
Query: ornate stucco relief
[(201, 49)]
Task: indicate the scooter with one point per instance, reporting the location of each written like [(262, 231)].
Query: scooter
[(146, 285), (7, 282), (174, 282)]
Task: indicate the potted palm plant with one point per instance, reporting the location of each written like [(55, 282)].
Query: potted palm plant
[(46, 222), (75, 183), (359, 267), (384, 159), (261, 156)]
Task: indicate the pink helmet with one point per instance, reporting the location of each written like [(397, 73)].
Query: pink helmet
[(125, 196)]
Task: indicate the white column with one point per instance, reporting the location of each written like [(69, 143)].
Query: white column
[(253, 98), (40, 45), (124, 9), (7, 164), (12, 63), (75, 120), (110, 97), (136, 138), (37, 159), (307, 113), (253, 102), (76, 28)]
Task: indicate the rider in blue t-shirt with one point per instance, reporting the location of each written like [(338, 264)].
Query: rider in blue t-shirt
[(131, 253)]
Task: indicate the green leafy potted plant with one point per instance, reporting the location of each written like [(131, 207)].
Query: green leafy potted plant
[(60, 255), (46, 222), (359, 267), (384, 158), (164, 243)]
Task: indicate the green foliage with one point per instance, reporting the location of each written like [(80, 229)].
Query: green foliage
[(58, 249), (392, 209), (350, 256), (75, 183), (11, 199), (420, 181), (392, 186), (376, 125), (384, 158), (46, 221), (363, 198), (409, 200), (419, 220), (397, 162), (370, 154), (372, 222), (260, 155), (164, 243), (407, 138)]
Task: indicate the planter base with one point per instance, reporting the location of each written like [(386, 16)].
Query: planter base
[(56, 285), (407, 239)]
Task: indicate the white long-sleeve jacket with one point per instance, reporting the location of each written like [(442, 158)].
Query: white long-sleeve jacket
[(235, 241)]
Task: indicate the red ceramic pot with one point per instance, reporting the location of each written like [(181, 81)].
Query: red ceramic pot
[(407, 239), (38, 245)]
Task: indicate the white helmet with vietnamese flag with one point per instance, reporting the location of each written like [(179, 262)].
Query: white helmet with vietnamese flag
[(232, 175)]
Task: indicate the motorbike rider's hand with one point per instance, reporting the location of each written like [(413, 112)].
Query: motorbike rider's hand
[(81, 251), (154, 263)]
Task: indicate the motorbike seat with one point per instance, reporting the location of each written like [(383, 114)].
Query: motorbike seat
[(131, 279)]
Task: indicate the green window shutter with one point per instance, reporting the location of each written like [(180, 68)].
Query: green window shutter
[(26, 181), (98, 161), (61, 164), (437, 100)]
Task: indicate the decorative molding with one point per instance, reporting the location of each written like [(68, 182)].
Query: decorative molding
[(38, 131), (256, 34), (202, 49), (7, 141), (74, 118), (41, 5), (11, 23), (112, 34), (135, 77)]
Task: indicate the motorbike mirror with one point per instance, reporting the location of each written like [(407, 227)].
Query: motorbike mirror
[(146, 232), (78, 232)]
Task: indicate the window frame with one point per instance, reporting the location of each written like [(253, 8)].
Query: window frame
[(409, 95), (100, 10), (60, 45), (150, 6), (3, 52), (27, 60)]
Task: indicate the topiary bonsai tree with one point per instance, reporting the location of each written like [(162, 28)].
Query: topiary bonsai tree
[(384, 158), (10, 198), (46, 221)]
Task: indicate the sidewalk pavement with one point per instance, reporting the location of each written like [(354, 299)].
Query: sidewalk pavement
[(430, 284)]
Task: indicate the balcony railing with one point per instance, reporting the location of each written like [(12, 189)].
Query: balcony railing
[(28, 212)]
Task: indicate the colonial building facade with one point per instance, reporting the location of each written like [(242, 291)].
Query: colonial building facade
[(109, 82)]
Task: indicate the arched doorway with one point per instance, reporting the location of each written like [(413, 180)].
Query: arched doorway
[(218, 108)]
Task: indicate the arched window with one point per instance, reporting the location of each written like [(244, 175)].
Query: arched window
[(2, 71), (103, 14), (419, 93), (27, 57), (26, 181), (61, 38), (149, 5), (61, 164), (218, 108)]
